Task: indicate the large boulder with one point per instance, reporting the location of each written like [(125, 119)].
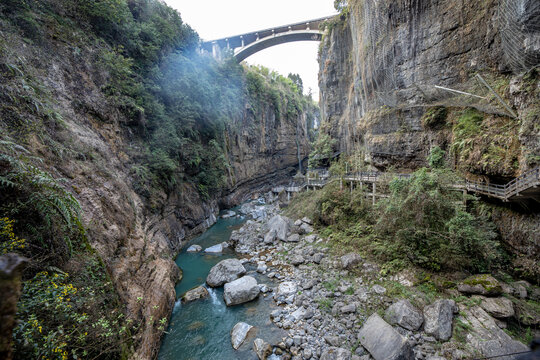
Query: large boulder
[(239, 333), (483, 284), (240, 291), (280, 225), (216, 249), (500, 308), (438, 319), (335, 353), (262, 349), (349, 261), (382, 341), (404, 314), (285, 292), (199, 292), (485, 337), (225, 271)]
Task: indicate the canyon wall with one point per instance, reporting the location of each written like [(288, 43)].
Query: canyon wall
[(381, 63), (95, 150)]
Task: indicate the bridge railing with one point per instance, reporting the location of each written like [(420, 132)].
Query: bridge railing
[(523, 182)]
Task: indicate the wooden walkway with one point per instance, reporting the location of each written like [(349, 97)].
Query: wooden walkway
[(526, 186)]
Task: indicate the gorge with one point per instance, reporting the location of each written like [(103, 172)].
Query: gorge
[(121, 142)]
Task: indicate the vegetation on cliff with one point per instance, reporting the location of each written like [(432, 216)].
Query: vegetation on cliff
[(173, 105), (423, 222)]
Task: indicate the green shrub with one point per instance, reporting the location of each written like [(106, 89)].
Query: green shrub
[(323, 148), (436, 158), (425, 220)]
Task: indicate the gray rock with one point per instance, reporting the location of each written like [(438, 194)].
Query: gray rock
[(285, 292), (404, 314), (241, 290), (297, 260), (225, 271), (483, 284), (317, 258), (262, 349), (438, 319), (280, 225), (194, 249), (378, 289), (520, 289), (382, 341), (310, 239), (332, 340), (306, 228), (239, 333), (486, 337), (228, 214), (270, 237), (262, 267), (199, 292), (307, 220), (347, 309), (293, 238), (335, 353), (350, 261), (309, 284), (500, 308), (216, 249)]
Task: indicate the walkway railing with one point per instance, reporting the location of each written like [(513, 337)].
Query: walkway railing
[(526, 185)]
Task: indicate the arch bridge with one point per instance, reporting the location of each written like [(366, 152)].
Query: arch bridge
[(247, 44)]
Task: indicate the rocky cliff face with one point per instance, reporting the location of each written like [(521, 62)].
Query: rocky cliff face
[(95, 150), (380, 65), (383, 68)]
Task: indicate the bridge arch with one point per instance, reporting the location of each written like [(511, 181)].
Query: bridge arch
[(307, 35), (247, 44)]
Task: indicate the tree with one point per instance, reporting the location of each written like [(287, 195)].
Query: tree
[(297, 80)]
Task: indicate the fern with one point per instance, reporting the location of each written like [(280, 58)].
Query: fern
[(44, 209)]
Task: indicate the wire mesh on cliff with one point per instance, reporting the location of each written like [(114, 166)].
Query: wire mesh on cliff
[(519, 24), (387, 43)]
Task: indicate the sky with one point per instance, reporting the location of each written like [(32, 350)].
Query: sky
[(215, 19)]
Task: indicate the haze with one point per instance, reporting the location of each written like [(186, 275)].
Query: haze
[(214, 19)]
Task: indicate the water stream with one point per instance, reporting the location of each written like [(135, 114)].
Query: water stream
[(200, 330)]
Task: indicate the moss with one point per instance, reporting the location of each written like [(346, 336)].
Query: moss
[(487, 281), (435, 117)]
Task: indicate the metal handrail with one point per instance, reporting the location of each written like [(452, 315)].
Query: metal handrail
[(528, 179)]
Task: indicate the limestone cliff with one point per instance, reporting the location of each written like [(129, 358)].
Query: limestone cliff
[(380, 65)]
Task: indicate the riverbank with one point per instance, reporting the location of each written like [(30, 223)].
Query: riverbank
[(330, 304)]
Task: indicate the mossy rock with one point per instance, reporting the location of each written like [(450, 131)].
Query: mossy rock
[(483, 284)]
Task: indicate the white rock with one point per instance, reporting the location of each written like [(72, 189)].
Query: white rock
[(194, 249), (241, 290), (239, 333)]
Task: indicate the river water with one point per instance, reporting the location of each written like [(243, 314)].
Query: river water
[(200, 330)]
